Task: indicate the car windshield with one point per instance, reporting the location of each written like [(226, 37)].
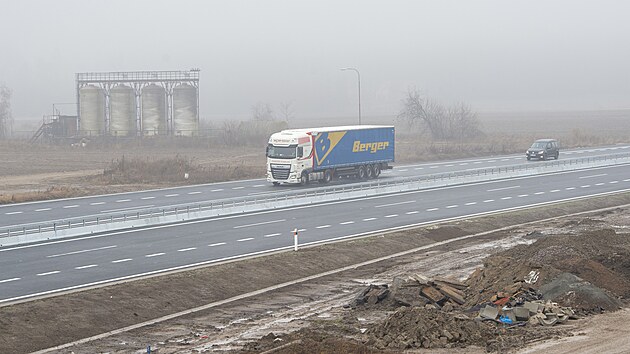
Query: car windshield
[(281, 152), (538, 145)]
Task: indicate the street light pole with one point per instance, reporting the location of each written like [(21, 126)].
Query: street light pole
[(359, 81)]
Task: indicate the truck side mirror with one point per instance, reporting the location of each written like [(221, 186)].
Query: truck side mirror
[(300, 151)]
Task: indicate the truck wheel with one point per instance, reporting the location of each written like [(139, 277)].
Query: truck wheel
[(369, 171), (361, 172), (304, 179), (377, 170), (327, 176)]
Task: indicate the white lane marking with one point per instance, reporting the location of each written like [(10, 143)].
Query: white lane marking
[(613, 182), (463, 164), (322, 226), (477, 162), (260, 193), (217, 190), (187, 249), (502, 189), (434, 166), (599, 184), (570, 188), (433, 209), (450, 165), (627, 180), (97, 203), (259, 223), (123, 200), (171, 195), (86, 266), (488, 201), (554, 191), (392, 204), (127, 209), (8, 280), (391, 216), (369, 219), (505, 159), (122, 260), (471, 203), (539, 193), (258, 185), (585, 186), (403, 170), (245, 239), (238, 187), (146, 198), (155, 254), (71, 206), (419, 168), (82, 251), (216, 244), (273, 235), (491, 161), (48, 273), (346, 223), (523, 195), (13, 213), (506, 198), (593, 176), (451, 206), (191, 193), (43, 209), (301, 230), (412, 212)]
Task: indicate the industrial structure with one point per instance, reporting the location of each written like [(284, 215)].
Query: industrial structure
[(138, 103)]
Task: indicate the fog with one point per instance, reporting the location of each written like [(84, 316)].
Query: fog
[(494, 55)]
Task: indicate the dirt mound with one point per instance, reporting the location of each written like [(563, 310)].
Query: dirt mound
[(600, 258), (416, 327)]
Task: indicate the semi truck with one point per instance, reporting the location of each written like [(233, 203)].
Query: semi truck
[(300, 156)]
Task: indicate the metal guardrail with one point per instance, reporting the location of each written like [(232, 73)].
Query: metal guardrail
[(187, 209)]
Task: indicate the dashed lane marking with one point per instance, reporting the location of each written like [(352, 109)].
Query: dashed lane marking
[(86, 266)]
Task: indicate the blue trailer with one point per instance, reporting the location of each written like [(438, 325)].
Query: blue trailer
[(322, 154)]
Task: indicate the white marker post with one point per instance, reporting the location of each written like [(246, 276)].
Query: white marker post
[(295, 239)]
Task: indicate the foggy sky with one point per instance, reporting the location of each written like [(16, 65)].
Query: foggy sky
[(494, 55)]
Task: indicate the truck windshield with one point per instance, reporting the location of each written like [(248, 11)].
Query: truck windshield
[(281, 152)]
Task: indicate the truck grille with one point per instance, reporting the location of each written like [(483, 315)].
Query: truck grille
[(280, 171)]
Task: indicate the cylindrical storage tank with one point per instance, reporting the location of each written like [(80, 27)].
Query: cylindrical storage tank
[(92, 111), (153, 110), (122, 111), (185, 121)]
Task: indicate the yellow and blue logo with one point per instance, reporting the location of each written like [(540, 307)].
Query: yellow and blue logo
[(325, 143)]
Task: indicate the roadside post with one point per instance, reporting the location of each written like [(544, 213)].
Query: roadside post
[(295, 239)]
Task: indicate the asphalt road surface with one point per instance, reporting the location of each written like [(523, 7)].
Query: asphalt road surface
[(93, 206), (50, 267)]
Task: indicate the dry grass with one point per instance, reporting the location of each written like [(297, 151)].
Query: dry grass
[(50, 193)]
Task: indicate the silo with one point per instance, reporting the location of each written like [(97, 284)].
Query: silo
[(185, 110), (122, 108), (92, 110), (153, 110)]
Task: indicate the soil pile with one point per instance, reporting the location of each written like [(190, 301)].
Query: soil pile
[(599, 262)]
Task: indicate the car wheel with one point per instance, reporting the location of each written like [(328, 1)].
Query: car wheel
[(276, 184), (529, 158)]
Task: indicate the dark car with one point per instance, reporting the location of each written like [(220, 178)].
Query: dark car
[(543, 149)]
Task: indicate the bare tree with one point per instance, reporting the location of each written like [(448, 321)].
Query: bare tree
[(6, 118), (286, 111), (262, 112), (444, 123)]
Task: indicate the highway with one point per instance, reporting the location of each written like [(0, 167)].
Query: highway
[(45, 211), (50, 267)]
